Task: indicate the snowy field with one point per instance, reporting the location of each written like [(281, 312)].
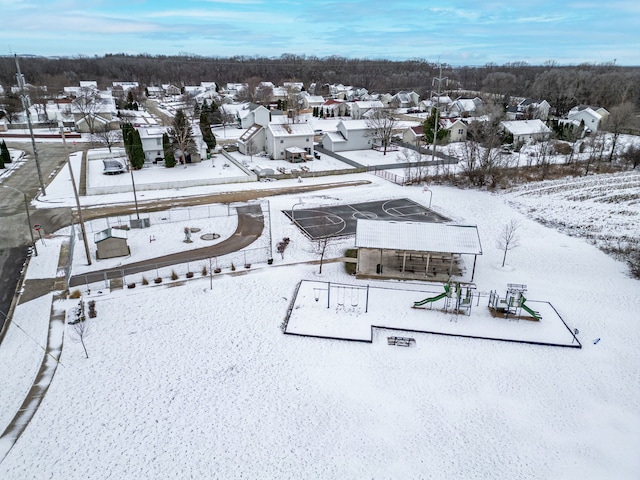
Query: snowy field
[(196, 379)]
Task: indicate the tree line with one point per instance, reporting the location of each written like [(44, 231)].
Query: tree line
[(603, 84)]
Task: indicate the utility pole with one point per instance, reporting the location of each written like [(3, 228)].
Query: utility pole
[(438, 79), (26, 104), (75, 194)]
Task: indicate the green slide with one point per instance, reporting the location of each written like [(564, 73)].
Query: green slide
[(433, 299), (533, 313)]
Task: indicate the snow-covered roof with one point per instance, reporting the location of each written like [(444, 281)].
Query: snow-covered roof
[(335, 137), (369, 104), (418, 237), (355, 124), (526, 127), (289, 129), (109, 233)]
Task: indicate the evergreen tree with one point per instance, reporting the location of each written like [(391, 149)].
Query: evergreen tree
[(4, 154), (181, 136), (169, 159), (205, 127), (429, 126), (137, 158)]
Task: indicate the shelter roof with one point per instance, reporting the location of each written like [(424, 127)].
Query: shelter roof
[(418, 237)]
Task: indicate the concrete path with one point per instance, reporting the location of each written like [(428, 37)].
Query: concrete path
[(48, 367), (249, 229)]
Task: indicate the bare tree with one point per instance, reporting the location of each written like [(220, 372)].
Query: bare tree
[(88, 104), (508, 238), (249, 93), (107, 136), (621, 118), (12, 106), (251, 148), (80, 326), (415, 169), (324, 236), (383, 125), (39, 99)]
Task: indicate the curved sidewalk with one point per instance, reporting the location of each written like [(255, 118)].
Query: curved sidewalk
[(41, 383), (249, 229)]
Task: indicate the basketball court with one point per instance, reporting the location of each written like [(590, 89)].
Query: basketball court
[(340, 220)]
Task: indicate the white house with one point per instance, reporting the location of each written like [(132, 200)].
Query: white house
[(592, 117), (334, 108), (456, 127), (414, 135), (360, 108), (289, 141), (252, 140), (465, 107), (251, 113), (350, 135), (152, 144), (526, 130), (406, 99)]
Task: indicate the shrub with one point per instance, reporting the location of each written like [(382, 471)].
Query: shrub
[(174, 275), (145, 281), (92, 309), (634, 262), (233, 267), (562, 148), (75, 294), (204, 271)]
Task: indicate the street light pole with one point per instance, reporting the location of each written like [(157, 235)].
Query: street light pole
[(26, 206), (75, 193), (26, 104)]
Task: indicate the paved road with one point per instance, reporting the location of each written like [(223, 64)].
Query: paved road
[(14, 231)]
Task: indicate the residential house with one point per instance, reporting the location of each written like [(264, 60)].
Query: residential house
[(334, 108), (126, 86), (414, 135), (456, 127), (311, 101), (404, 99), (252, 113), (171, 90), (232, 89), (592, 117), (155, 92), (289, 141), (524, 131), (92, 109), (528, 109), (359, 109), (253, 140), (350, 135), (465, 107), (152, 144)]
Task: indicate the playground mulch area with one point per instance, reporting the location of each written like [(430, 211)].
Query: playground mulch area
[(355, 312), (340, 220)]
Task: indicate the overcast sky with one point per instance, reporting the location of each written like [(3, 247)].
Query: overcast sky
[(456, 32)]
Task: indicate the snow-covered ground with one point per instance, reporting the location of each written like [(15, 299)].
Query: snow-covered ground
[(196, 378)]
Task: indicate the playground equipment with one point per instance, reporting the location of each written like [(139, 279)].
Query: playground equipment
[(347, 297), (457, 297), (513, 302), (447, 293)]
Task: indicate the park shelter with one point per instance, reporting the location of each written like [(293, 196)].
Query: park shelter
[(416, 250), (110, 243)]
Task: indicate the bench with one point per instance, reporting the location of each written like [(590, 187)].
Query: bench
[(401, 341)]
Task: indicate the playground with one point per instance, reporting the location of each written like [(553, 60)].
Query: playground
[(357, 311), (340, 220)]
